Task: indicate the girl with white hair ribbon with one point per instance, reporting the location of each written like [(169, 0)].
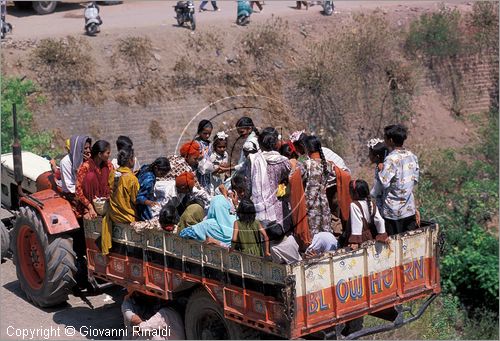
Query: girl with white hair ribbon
[(217, 163)]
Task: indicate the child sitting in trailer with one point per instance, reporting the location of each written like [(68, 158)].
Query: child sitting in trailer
[(217, 163), (247, 231), (168, 218)]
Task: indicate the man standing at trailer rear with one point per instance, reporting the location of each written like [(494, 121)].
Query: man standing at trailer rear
[(399, 176)]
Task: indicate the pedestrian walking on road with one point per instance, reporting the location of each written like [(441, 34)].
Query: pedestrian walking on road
[(300, 3), (214, 5), (257, 3)]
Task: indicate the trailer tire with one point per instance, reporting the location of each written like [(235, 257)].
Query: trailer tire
[(5, 240), (204, 320), (45, 264)]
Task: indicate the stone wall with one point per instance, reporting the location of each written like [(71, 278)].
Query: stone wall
[(156, 130), (474, 81)]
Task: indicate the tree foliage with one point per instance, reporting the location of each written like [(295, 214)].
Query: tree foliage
[(435, 35), (16, 90)]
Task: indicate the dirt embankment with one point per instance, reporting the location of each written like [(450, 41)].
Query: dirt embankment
[(178, 62)]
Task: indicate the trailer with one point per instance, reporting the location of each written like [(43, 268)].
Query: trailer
[(244, 295)]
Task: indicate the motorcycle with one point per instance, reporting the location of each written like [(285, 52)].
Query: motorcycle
[(244, 12), (328, 7), (5, 27), (92, 19), (185, 13)]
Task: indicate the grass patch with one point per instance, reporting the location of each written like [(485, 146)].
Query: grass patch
[(66, 70), (137, 68)]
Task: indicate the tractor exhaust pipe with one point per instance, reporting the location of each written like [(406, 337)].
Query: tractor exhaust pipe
[(16, 154)]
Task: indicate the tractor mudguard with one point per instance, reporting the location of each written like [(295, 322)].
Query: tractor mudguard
[(54, 210)]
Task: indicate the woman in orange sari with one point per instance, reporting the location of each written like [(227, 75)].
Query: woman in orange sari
[(297, 198)]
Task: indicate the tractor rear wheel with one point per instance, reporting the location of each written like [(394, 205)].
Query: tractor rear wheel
[(45, 265), (204, 320)]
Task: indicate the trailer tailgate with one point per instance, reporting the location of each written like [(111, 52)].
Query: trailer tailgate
[(343, 285)]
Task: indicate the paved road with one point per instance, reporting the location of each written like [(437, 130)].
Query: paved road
[(18, 315), (68, 18)]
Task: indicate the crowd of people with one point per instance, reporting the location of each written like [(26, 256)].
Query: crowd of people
[(284, 199)]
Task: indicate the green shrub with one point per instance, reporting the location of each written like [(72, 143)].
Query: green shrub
[(470, 270), (435, 35), (15, 90), (483, 22), (462, 195)]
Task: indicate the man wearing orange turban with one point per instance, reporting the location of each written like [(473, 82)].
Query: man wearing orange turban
[(191, 151), (184, 182)]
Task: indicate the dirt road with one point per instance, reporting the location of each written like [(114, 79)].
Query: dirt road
[(18, 315), (68, 18)]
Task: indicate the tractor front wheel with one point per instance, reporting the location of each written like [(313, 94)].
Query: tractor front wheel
[(45, 265)]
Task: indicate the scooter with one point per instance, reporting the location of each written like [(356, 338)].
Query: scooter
[(5, 27), (244, 12), (92, 19), (328, 7), (185, 13)]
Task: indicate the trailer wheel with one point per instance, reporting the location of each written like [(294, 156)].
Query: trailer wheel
[(45, 265), (5, 240), (204, 320)]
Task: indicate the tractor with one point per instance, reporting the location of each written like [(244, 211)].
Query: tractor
[(45, 237)]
